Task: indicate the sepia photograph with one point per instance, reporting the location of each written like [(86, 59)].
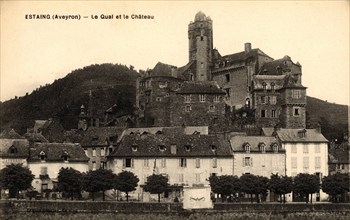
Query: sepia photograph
[(174, 109)]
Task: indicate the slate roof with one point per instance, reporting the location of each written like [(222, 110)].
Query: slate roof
[(38, 124), (293, 136), (35, 137), (10, 134), (278, 80), (208, 87), (149, 145), (55, 151), (277, 67), (241, 56), (162, 69), (267, 131), (238, 143), (101, 136), (20, 148), (339, 153)]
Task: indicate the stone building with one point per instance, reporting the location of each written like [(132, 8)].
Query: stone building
[(249, 79), (339, 157)]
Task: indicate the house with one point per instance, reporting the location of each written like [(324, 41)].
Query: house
[(186, 160), (46, 159), (339, 157), (306, 152), (14, 148)]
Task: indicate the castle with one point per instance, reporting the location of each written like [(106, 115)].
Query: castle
[(211, 86)]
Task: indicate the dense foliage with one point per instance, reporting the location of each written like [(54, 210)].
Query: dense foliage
[(98, 180), (109, 84), (305, 185), (15, 178), (156, 184), (281, 185), (70, 182), (336, 186), (225, 185), (254, 185), (126, 182)]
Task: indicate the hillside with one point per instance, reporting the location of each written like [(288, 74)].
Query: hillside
[(109, 84)]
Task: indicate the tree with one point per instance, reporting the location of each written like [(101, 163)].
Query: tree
[(306, 184), (156, 184), (98, 180), (281, 185), (224, 185), (70, 181), (126, 182), (15, 178), (254, 185), (335, 185)]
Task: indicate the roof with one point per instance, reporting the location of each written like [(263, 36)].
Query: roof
[(238, 143), (277, 67), (277, 80), (294, 136), (10, 134), (339, 153), (179, 145), (38, 124), (267, 131), (55, 152), (207, 87), (241, 56), (35, 137), (200, 16), (162, 69), (101, 136), (20, 148)]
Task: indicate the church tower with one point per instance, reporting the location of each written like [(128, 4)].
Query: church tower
[(200, 36)]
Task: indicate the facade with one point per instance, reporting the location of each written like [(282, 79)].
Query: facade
[(186, 160), (46, 160), (98, 143), (306, 152)]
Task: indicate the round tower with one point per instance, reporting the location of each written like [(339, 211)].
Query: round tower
[(200, 36)]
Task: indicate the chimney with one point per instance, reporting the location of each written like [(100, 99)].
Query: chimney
[(318, 127), (247, 47)]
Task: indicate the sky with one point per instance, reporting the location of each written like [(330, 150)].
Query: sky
[(35, 52)]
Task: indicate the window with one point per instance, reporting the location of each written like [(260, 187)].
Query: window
[(247, 161), (187, 148), (273, 100), (216, 98), (181, 177), (275, 148), (163, 162), (191, 77), (296, 94), (306, 162), (128, 162), (264, 86), (198, 163), (102, 152), (212, 108), (247, 148), (227, 76), (43, 170), (148, 96), (263, 113), (94, 165), (13, 150), (93, 152), (158, 99), (202, 98), (198, 177), (202, 65), (215, 163), (317, 148), (162, 148), (273, 113), (294, 148), (182, 162), (145, 163), (305, 148), (318, 162), (263, 99), (188, 108), (272, 86), (188, 98), (294, 162), (296, 111), (110, 150), (42, 155), (134, 148), (228, 92), (262, 147)]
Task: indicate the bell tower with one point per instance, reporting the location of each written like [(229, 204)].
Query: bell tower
[(200, 36)]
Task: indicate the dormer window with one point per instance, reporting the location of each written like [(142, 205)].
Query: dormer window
[(213, 148), (187, 148), (264, 86), (42, 155), (272, 86), (246, 147), (162, 148), (302, 133), (262, 147), (13, 150), (65, 156), (274, 147), (134, 148)]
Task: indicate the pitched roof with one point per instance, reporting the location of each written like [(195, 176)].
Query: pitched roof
[(55, 151), (259, 81), (277, 67), (241, 56), (20, 148), (339, 153), (10, 134), (101, 136), (38, 124), (35, 137), (179, 145), (294, 135), (162, 69), (208, 87), (267, 131), (238, 143)]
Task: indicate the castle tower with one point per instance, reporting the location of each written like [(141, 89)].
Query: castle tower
[(200, 36)]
